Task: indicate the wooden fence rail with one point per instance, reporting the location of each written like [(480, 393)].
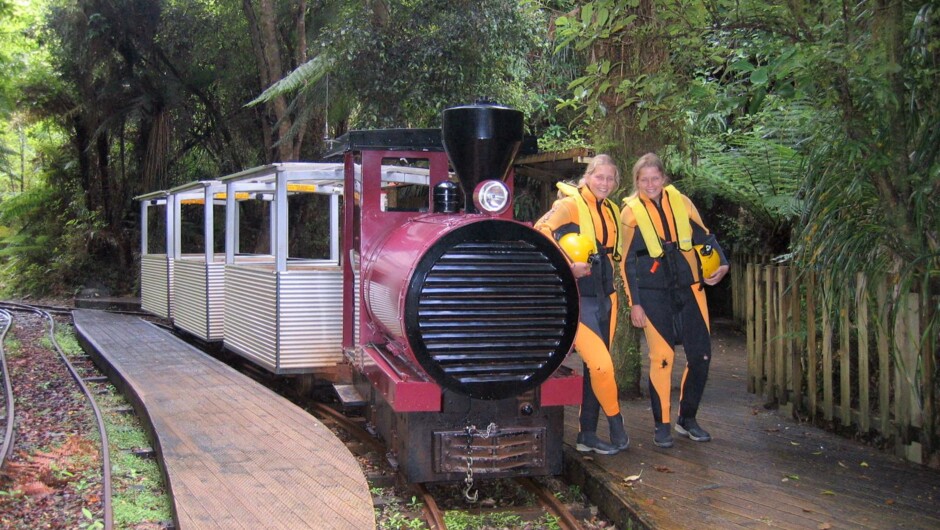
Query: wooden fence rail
[(854, 354)]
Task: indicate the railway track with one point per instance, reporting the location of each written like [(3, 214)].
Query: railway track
[(434, 514), (7, 321), (9, 418), (432, 504)]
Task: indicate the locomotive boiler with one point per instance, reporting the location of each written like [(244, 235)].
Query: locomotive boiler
[(467, 316)]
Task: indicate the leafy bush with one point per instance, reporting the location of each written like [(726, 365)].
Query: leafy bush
[(51, 245)]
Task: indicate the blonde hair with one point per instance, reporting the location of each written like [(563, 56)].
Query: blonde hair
[(597, 161), (648, 160)]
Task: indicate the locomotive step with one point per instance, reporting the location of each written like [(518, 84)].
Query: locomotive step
[(349, 396)]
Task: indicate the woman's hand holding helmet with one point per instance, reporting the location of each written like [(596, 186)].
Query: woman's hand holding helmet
[(717, 275), (580, 269)]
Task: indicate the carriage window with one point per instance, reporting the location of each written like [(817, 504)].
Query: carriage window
[(192, 232), (409, 193), (309, 222), (253, 227), (156, 229)]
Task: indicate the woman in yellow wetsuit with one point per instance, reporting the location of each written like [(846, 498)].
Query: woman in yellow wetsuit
[(587, 211), (664, 285)]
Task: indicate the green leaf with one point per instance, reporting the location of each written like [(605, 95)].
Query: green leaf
[(742, 65), (602, 15), (620, 23), (587, 13), (759, 76)]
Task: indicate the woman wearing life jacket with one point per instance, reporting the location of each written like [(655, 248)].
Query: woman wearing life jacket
[(587, 211), (664, 287)]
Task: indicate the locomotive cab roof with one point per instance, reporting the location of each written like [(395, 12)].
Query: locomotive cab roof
[(386, 140)]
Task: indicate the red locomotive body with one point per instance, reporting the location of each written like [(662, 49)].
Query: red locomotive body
[(466, 315)]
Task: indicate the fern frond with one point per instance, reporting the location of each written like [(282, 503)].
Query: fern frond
[(306, 74)]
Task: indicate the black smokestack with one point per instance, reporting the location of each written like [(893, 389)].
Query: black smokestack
[(481, 140)]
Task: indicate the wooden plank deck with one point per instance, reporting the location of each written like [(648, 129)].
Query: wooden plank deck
[(761, 469), (236, 455)]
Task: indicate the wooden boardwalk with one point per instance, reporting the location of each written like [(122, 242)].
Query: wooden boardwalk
[(236, 455), (761, 469)]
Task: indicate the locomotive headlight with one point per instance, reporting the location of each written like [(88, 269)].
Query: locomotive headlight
[(492, 197)]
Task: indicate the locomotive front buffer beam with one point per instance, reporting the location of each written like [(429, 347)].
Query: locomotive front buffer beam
[(407, 390)]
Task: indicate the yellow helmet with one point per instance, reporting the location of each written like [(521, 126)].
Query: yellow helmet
[(708, 258), (579, 248)]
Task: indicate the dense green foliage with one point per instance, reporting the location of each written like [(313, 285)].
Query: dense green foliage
[(123, 97), (783, 109), (399, 64), (808, 130)]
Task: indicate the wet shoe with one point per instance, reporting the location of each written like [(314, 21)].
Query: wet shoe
[(618, 435), (588, 441), (663, 436), (689, 427)]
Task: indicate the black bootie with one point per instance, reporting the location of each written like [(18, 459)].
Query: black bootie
[(590, 411), (618, 435), (663, 435)]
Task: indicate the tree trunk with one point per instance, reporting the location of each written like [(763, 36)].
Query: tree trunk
[(635, 52), (262, 26), (300, 57), (621, 136)]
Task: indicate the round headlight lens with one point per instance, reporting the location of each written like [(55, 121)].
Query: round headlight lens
[(492, 197)]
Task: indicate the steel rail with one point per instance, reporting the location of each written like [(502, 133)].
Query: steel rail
[(353, 428), (566, 519), (7, 448), (65, 310), (105, 451), (432, 512)]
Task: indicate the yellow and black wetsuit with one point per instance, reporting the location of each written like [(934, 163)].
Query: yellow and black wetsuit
[(662, 274), (597, 294)]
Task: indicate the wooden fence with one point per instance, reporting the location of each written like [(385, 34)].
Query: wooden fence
[(839, 353)]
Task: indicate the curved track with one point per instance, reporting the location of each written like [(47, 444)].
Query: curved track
[(5, 308), (7, 448)]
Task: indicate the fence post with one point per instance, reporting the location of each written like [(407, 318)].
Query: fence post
[(750, 322), (759, 349), (927, 353), (907, 345), (845, 362), (770, 333), (796, 347), (736, 291), (827, 348), (812, 389), (861, 312), (783, 311), (884, 359)]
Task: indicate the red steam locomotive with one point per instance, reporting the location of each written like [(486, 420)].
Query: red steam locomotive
[(449, 318)]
